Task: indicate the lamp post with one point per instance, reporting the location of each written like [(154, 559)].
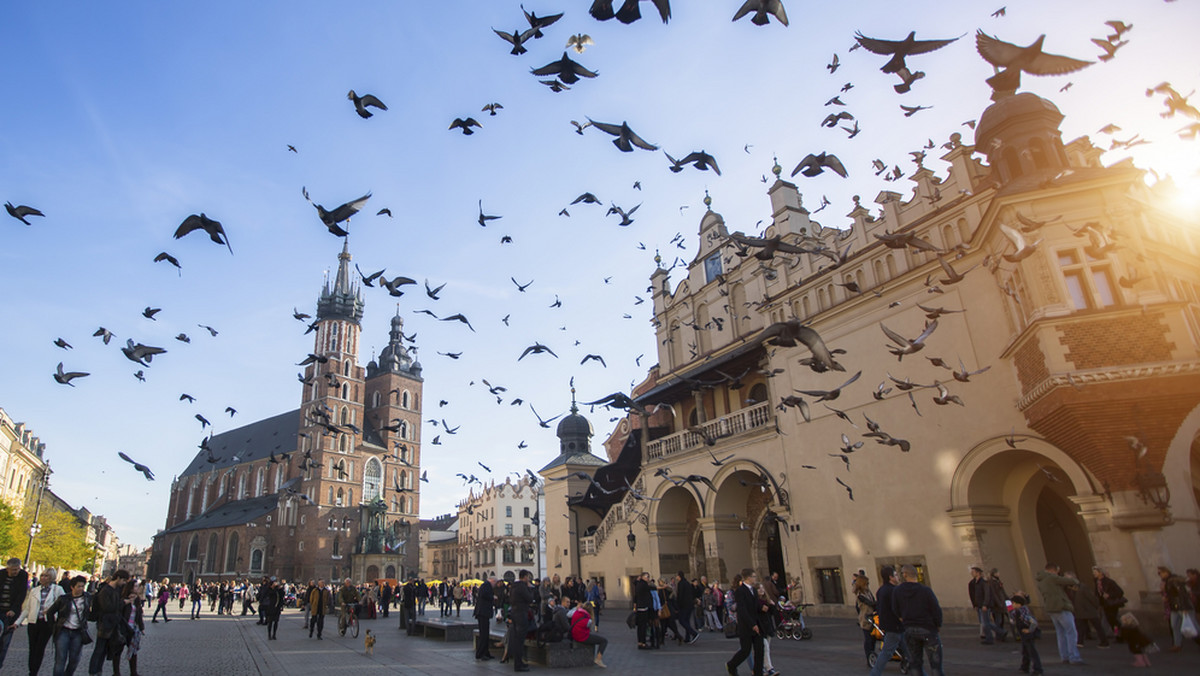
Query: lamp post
[(37, 510)]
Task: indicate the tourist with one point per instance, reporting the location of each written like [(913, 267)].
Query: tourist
[(197, 595), (714, 607), (65, 582), (131, 628), (748, 630), (643, 606), (320, 600), (864, 605), (212, 591), (522, 611), (14, 584), (582, 632), (1086, 606), (1178, 603), (685, 601), (1135, 639), (183, 593), (998, 609), (918, 609), (164, 595), (1025, 626), (385, 597), (408, 609), (347, 602), (69, 617), (303, 601), (37, 604), (769, 618), (108, 606), (595, 596), (422, 596), (270, 605), (889, 622), (984, 602), (1053, 588), (1112, 599), (485, 598)]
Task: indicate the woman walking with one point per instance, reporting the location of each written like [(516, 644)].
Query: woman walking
[(134, 626), (769, 617), (864, 604), (37, 604)]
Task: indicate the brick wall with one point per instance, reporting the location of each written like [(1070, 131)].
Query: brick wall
[(1117, 341), (1031, 365)]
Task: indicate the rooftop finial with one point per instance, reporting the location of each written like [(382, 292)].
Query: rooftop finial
[(657, 258), (707, 200), (777, 170), (574, 407)]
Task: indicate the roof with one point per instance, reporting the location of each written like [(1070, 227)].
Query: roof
[(437, 536), (232, 513), (680, 380), (255, 441), (575, 458)]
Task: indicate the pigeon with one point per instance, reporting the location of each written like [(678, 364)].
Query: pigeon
[(202, 222), (361, 103), (59, 342), (1023, 248), (491, 108), (832, 119), (899, 49), (187, 397), (384, 212), (625, 215), (1015, 60), (580, 127), (107, 335), (543, 422), (149, 312), (65, 378), (626, 138), (700, 159), (139, 353), (230, 410), (20, 212), (537, 348), (465, 125), (164, 256), (579, 42), (1110, 48), (537, 23), (909, 111), (813, 165), (554, 85), (138, 466), (602, 10), (763, 10), (593, 357), (331, 219), (567, 71), (483, 218), (203, 421), (517, 39), (833, 64)]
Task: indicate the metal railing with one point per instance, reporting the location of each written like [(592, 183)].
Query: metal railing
[(747, 419)]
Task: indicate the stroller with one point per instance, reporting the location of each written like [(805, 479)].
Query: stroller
[(877, 634), (792, 625)]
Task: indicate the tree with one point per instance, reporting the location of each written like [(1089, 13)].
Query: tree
[(11, 537), (62, 540)]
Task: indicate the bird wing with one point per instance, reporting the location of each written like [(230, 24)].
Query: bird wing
[(809, 160), (852, 379), (994, 51), (510, 38), (641, 143), (747, 7), (189, 224), (928, 330), (1055, 64), (875, 45), (926, 46), (607, 128), (895, 337), (372, 100), (579, 70), (836, 165), (1015, 237)]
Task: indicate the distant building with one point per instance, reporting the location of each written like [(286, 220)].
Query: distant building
[(329, 490), (1079, 445), (498, 530), (134, 560), (22, 462), (439, 548)]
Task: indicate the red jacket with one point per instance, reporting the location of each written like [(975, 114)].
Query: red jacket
[(579, 625)]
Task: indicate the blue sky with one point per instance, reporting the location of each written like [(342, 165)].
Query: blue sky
[(124, 118)]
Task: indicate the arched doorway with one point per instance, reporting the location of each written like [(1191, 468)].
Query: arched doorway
[(676, 528), (742, 536), (390, 572), (1019, 508), (372, 574)]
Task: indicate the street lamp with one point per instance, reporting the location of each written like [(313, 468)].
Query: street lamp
[(631, 539), (37, 527)]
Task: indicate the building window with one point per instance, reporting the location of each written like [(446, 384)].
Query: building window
[(300, 546), (508, 511), (712, 267), (508, 529), (241, 495), (526, 512), (404, 399), (260, 484), (345, 391), (340, 494), (193, 553), (829, 585), (231, 553), (256, 561), (173, 559), (375, 399), (372, 480), (210, 562), (525, 530), (1088, 280)]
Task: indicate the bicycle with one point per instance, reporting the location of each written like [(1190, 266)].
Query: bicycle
[(349, 620)]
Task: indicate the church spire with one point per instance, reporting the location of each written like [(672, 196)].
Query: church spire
[(344, 299)]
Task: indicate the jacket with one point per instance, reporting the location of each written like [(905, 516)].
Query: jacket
[(32, 607), (16, 586), (685, 596), (747, 610), (642, 599), (107, 603), (917, 606), (1175, 591), (1053, 589), (888, 620), (1086, 605), (1110, 593), (60, 612), (580, 631), (318, 594), (485, 601), (522, 601)]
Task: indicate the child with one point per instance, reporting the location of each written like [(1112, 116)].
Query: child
[(1026, 627), (1137, 641), (370, 642)]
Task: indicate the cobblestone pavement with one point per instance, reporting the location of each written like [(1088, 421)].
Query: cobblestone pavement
[(236, 646)]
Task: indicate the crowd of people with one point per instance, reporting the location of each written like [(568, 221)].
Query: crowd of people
[(902, 617)]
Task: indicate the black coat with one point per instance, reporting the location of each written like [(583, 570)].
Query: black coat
[(747, 610), (888, 620), (916, 606), (60, 612), (485, 601), (641, 595), (108, 605), (17, 587), (522, 602), (685, 597)]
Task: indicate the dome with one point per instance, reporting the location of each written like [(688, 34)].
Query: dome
[(1021, 107), (574, 425)]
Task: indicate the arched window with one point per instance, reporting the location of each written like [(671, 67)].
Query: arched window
[(1037, 151), (349, 496), (891, 265), (345, 391), (949, 237), (758, 393), (346, 368), (375, 399), (342, 444), (337, 545), (403, 429), (331, 495), (173, 559), (879, 275), (210, 556), (191, 498), (193, 552), (278, 476), (204, 495), (964, 230), (372, 479), (333, 337), (822, 300), (345, 415), (860, 279), (404, 479), (241, 492), (1012, 162), (805, 307), (256, 561), (231, 553), (404, 399), (341, 493), (260, 483)]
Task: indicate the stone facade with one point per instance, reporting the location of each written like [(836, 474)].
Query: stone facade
[(1090, 337), (21, 462), (498, 530), (329, 490)]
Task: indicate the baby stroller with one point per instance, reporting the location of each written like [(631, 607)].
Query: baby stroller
[(792, 625), (877, 634)]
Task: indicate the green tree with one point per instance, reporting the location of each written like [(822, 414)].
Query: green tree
[(62, 540), (11, 540)]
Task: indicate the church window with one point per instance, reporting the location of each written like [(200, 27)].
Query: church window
[(331, 495), (341, 493), (191, 499), (345, 391), (337, 545), (822, 300), (256, 561), (231, 553), (173, 559), (375, 399), (260, 483), (403, 429), (1037, 151), (758, 394), (278, 476), (404, 399), (210, 556), (345, 415), (372, 480), (342, 444), (193, 551), (404, 479), (712, 267), (346, 368), (241, 493), (891, 265)]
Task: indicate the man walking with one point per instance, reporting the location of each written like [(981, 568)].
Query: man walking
[(408, 607), (522, 603), (749, 634), (916, 606), (889, 622), (643, 606), (14, 585), (319, 601), (385, 597), (685, 598), (108, 608), (484, 609), (1053, 588)]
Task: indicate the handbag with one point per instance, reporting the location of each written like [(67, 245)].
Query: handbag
[(664, 613), (86, 637), (632, 619), (731, 629), (1188, 627)]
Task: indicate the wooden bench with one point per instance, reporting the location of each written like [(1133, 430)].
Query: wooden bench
[(564, 654), (445, 629)]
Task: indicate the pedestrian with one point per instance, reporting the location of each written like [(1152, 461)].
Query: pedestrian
[(37, 604), (270, 604), (769, 619), (65, 582), (422, 596), (917, 607), (68, 615), (583, 632), (132, 627), (522, 611), (1135, 639), (1178, 604), (164, 596), (347, 603), (1053, 588), (107, 607), (1025, 626), (864, 605), (889, 622), (319, 601), (595, 596), (643, 606), (714, 607), (197, 595), (212, 591), (984, 602), (974, 595), (184, 592), (14, 585), (999, 611), (303, 601), (748, 630), (385, 597), (459, 595), (485, 598), (1112, 599), (685, 601), (1087, 615)]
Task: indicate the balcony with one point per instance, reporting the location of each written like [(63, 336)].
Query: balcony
[(740, 422)]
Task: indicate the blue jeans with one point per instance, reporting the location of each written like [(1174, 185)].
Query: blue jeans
[(922, 642), (1030, 659), (67, 647), (987, 626), (892, 641), (4, 641), (1064, 631)]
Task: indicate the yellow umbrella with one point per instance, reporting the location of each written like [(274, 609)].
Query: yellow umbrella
[(434, 582), (470, 583)]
